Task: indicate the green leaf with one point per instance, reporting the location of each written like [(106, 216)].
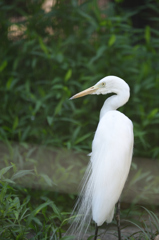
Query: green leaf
[(152, 114), (99, 53), (8, 181), (83, 138), (4, 170), (3, 65), (47, 179), (15, 123), (112, 40), (43, 46), (50, 120), (36, 220), (3, 192), (37, 210), (23, 216), (59, 106), (56, 210), (145, 234), (9, 82), (37, 106), (147, 34), (21, 173), (68, 75)]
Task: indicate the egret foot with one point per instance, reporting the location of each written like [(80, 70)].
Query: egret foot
[(118, 219), (96, 232)]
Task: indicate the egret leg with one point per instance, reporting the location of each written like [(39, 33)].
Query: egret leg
[(118, 219), (96, 232)]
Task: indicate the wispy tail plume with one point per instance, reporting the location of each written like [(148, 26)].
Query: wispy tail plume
[(83, 208)]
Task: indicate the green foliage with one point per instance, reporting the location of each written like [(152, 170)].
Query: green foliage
[(64, 51), (21, 217), (148, 229)]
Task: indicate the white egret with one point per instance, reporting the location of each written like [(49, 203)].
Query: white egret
[(110, 159)]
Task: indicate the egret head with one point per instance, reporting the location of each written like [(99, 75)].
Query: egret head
[(109, 84)]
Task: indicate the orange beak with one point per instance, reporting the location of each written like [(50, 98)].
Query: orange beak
[(85, 92)]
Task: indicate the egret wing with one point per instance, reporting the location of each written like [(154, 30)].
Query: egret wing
[(111, 158)]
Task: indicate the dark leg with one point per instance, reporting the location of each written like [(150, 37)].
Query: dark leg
[(96, 232), (118, 219)]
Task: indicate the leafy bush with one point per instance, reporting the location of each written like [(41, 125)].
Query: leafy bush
[(64, 51), (22, 216)]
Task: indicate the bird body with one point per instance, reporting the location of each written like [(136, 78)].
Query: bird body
[(110, 159)]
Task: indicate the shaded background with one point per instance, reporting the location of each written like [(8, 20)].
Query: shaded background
[(50, 50)]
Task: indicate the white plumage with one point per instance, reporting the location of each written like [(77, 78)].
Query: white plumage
[(110, 159)]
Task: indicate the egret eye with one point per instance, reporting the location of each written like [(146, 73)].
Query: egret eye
[(103, 84)]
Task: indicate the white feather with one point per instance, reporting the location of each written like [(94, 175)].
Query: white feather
[(110, 161)]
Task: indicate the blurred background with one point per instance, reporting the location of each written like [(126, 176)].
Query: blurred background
[(50, 50)]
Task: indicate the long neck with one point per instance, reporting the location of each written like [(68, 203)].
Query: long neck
[(114, 102)]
